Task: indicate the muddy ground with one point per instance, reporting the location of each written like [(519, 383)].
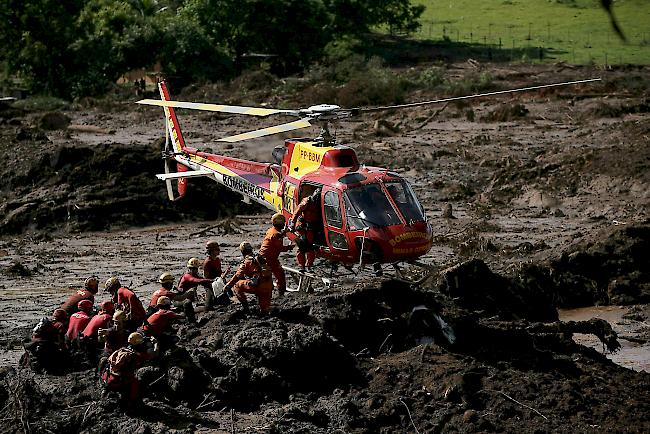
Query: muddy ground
[(550, 197)]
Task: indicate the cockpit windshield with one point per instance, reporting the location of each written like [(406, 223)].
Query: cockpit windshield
[(404, 198), (368, 206)]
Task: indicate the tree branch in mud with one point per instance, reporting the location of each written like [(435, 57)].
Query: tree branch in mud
[(409, 413), (223, 227), (595, 326), (514, 400)]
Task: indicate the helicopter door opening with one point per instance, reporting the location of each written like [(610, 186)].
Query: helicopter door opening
[(334, 220), (305, 191), (288, 197)]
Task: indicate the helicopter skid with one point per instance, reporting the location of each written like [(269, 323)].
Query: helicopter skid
[(304, 281), (309, 281), (425, 272)]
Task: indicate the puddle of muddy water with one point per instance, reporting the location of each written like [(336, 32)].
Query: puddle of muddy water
[(632, 355)]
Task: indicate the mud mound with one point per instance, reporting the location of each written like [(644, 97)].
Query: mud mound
[(54, 121), (81, 189), (609, 267), (606, 110), (475, 287)]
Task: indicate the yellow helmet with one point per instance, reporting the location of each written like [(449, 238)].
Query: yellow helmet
[(112, 283), (166, 278), (245, 246), (163, 300), (193, 263), (119, 315), (212, 245), (278, 219), (92, 283), (135, 338)]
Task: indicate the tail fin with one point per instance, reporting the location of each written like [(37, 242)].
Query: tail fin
[(173, 127)]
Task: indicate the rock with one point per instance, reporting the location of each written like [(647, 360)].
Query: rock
[(470, 416), (447, 212), (54, 121)]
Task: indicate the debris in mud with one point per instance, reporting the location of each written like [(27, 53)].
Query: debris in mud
[(17, 269), (506, 112), (223, 227), (606, 110)]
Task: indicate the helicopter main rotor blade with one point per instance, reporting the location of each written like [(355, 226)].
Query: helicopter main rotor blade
[(236, 109), (295, 125), (457, 98)]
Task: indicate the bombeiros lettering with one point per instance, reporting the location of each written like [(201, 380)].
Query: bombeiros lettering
[(243, 186)]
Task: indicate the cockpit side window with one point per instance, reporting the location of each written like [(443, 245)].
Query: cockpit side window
[(404, 198)]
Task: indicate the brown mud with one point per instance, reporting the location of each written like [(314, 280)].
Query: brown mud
[(549, 195)]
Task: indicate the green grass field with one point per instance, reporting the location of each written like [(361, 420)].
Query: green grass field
[(575, 31)]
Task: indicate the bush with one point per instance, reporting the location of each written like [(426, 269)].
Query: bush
[(431, 78)]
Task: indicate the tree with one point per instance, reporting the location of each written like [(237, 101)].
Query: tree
[(78, 47)]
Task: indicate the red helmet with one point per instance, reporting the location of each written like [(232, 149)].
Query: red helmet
[(107, 306), (85, 305), (60, 315)]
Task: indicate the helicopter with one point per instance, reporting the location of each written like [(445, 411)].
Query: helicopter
[(369, 215)]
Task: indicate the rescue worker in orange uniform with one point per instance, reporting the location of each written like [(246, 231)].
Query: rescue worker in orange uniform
[(159, 325), (46, 351), (114, 337), (79, 321), (212, 270), (123, 364), (166, 281), (127, 301), (90, 334), (305, 222), (253, 277), (191, 280), (212, 262), (88, 293), (272, 246)]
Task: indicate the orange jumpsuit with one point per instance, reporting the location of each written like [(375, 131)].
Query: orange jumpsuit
[(271, 248), (253, 278), (306, 218)]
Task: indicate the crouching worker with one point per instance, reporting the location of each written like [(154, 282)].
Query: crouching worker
[(159, 325), (183, 301), (253, 277), (122, 364), (46, 352), (90, 335), (191, 280), (78, 322), (128, 301), (114, 337)]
